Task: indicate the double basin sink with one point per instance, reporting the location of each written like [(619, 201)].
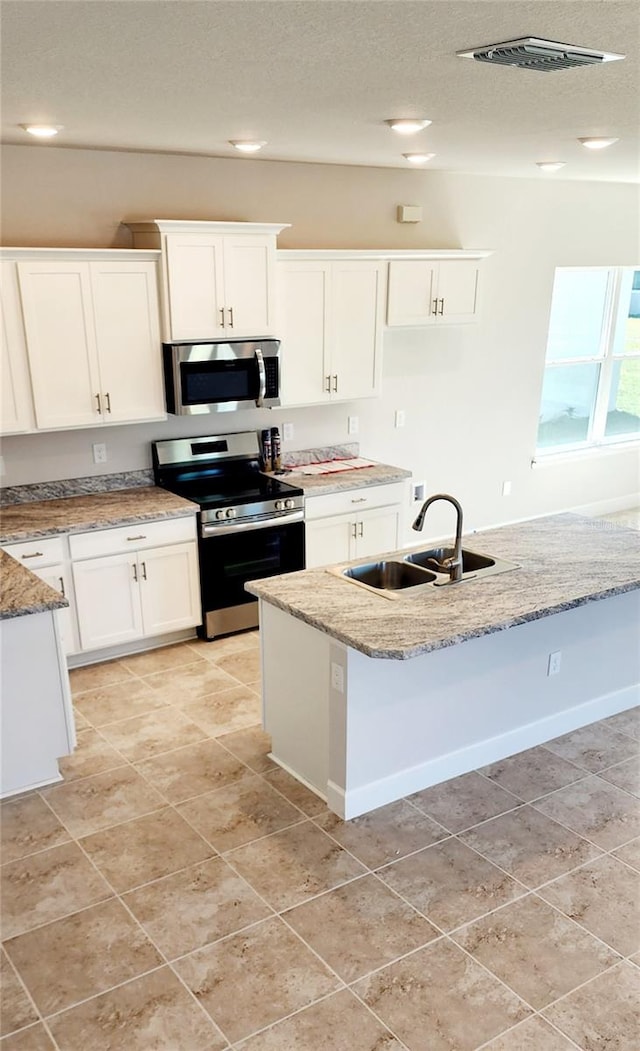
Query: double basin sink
[(421, 570)]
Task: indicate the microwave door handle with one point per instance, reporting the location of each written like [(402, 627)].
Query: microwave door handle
[(262, 377)]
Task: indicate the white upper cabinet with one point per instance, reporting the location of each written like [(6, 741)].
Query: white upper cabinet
[(127, 324), (218, 279), (434, 291), (93, 337), (16, 408), (330, 323)]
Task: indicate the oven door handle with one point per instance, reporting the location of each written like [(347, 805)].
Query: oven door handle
[(262, 377), (208, 531)]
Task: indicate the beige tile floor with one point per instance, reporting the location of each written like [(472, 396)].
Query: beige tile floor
[(180, 892)]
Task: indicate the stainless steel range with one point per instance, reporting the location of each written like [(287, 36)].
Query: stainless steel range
[(251, 525)]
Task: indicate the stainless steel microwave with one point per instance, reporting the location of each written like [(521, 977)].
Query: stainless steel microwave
[(211, 376)]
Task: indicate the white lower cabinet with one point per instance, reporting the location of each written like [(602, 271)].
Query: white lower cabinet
[(141, 589), (354, 524), (48, 558)]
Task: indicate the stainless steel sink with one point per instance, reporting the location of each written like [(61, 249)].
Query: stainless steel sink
[(389, 576), (475, 566), (419, 571)]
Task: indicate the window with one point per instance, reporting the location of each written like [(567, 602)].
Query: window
[(591, 389)]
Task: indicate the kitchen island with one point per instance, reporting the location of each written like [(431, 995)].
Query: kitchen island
[(369, 697)]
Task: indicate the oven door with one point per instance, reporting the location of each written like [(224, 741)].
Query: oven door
[(221, 377), (230, 559)]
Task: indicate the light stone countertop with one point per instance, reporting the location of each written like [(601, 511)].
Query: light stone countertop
[(22, 592), (566, 560), (78, 514), (324, 484)]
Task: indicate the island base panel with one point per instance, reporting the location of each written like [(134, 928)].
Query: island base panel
[(397, 727)]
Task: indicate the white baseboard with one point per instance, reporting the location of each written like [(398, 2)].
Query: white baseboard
[(353, 802), (79, 660), (10, 792)]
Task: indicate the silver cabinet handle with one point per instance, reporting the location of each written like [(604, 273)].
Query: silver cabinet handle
[(230, 317), (221, 317), (361, 529), (442, 306), (135, 572), (144, 570), (140, 536), (34, 554), (99, 405), (327, 386), (335, 383), (107, 398), (360, 500), (354, 530), (262, 377), (435, 306), (64, 594)]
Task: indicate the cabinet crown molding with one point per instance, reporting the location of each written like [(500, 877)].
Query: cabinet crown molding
[(187, 226), (96, 254), (384, 254)]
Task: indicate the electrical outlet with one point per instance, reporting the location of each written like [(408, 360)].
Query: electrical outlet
[(399, 420), (353, 424), (506, 488), (287, 432), (555, 660), (99, 452), (418, 490), (337, 677)]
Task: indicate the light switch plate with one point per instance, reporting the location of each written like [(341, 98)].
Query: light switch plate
[(287, 432), (99, 452)]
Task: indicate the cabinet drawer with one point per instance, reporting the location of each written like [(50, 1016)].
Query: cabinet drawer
[(134, 537), (38, 552), (352, 501)]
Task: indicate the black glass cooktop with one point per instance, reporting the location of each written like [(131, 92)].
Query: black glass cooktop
[(225, 490)]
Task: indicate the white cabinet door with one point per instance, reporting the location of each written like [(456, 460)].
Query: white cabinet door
[(125, 299), (303, 293), (356, 329), (57, 577), (249, 286), (196, 286), (424, 292), (458, 291), (377, 532), (412, 294), (108, 600), (16, 407), (169, 588), (329, 540), (61, 343)]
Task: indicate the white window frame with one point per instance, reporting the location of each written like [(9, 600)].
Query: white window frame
[(611, 335)]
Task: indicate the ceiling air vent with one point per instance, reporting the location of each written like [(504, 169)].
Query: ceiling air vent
[(543, 55)]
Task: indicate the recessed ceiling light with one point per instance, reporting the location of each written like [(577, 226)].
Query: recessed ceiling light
[(42, 131), (418, 158), (247, 145), (550, 166), (407, 125), (597, 143)]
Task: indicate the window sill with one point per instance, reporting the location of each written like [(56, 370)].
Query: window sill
[(592, 451)]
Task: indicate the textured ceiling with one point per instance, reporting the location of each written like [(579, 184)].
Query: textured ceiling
[(318, 78)]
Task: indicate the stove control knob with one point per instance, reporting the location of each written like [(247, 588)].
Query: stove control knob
[(289, 504), (231, 513), (220, 514), (280, 505)]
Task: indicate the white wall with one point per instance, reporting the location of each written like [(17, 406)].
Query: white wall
[(470, 393)]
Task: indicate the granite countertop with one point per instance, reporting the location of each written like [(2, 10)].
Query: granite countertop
[(323, 484), (23, 592), (565, 561), (78, 514)]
